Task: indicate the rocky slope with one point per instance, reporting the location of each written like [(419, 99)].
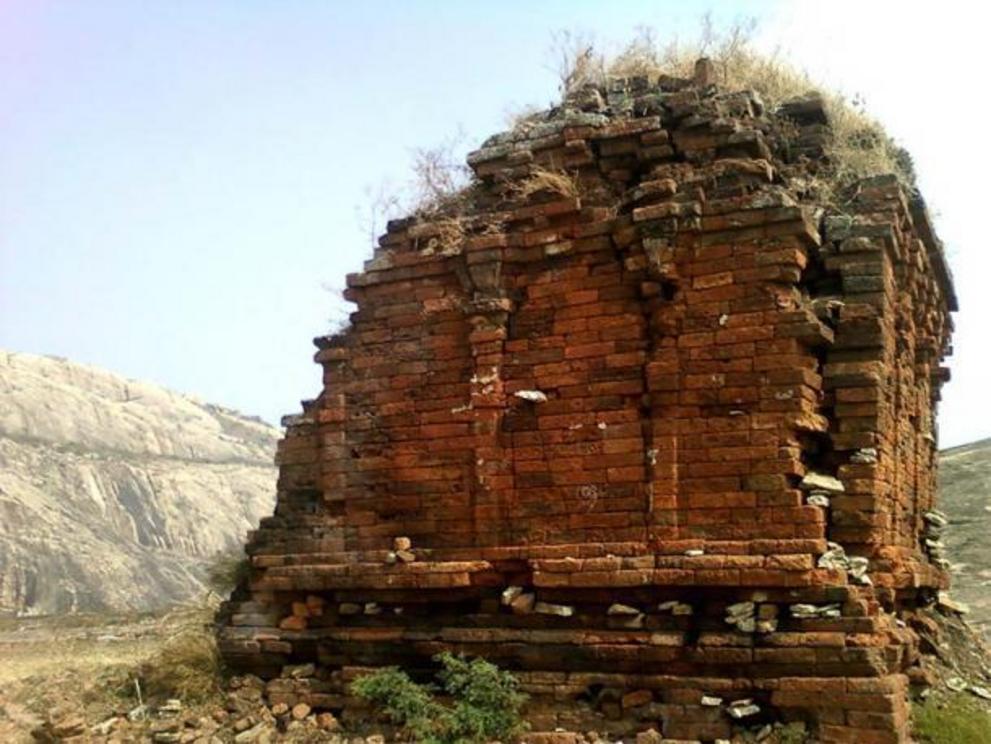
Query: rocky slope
[(965, 483), (114, 493)]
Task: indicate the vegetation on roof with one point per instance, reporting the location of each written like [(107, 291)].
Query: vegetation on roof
[(444, 191), (859, 146)]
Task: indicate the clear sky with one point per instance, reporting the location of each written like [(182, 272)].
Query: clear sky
[(179, 179)]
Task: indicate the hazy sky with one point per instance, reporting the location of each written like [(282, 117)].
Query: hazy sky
[(179, 179)]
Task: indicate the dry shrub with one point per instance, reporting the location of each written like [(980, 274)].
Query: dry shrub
[(858, 147), (440, 235), (544, 180), (382, 203), (438, 196), (187, 666), (441, 180), (576, 61)]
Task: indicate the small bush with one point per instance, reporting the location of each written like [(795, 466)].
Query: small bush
[(227, 571), (958, 720), (406, 703), (188, 665), (486, 702)]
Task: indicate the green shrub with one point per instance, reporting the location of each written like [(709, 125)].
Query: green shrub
[(226, 571), (487, 699), (406, 703), (485, 702), (958, 720)]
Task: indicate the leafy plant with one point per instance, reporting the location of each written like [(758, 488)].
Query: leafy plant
[(485, 702)]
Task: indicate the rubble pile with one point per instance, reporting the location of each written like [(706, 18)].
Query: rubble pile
[(660, 438)]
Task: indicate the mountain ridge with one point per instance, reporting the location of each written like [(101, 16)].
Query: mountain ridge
[(115, 493)]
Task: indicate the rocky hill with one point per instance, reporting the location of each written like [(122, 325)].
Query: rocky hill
[(115, 493), (965, 483)]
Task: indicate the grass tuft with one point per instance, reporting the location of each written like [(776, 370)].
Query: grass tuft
[(957, 720), (541, 180)]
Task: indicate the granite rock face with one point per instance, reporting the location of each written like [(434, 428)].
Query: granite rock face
[(965, 483), (115, 493)]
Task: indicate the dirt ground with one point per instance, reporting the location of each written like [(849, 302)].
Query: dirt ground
[(73, 663)]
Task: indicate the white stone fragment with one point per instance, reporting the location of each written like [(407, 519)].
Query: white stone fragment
[(622, 609), (821, 482), (548, 608), (740, 610), (804, 610), (742, 709), (818, 499), (865, 456), (534, 396), (510, 593), (834, 557)]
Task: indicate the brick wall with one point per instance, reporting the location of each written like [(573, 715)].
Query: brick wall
[(663, 437)]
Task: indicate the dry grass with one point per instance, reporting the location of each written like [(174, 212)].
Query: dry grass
[(83, 643), (102, 667), (59, 654), (173, 655), (858, 148), (576, 61), (542, 180), (440, 235), (187, 665), (443, 191)]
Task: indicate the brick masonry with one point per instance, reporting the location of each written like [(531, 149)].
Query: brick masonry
[(660, 447)]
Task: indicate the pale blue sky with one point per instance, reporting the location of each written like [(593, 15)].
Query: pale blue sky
[(179, 179)]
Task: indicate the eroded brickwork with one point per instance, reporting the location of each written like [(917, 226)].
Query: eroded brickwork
[(661, 446)]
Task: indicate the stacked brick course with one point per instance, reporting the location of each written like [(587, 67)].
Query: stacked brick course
[(659, 447)]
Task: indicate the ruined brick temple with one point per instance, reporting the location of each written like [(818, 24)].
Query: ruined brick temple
[(662, 443)]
